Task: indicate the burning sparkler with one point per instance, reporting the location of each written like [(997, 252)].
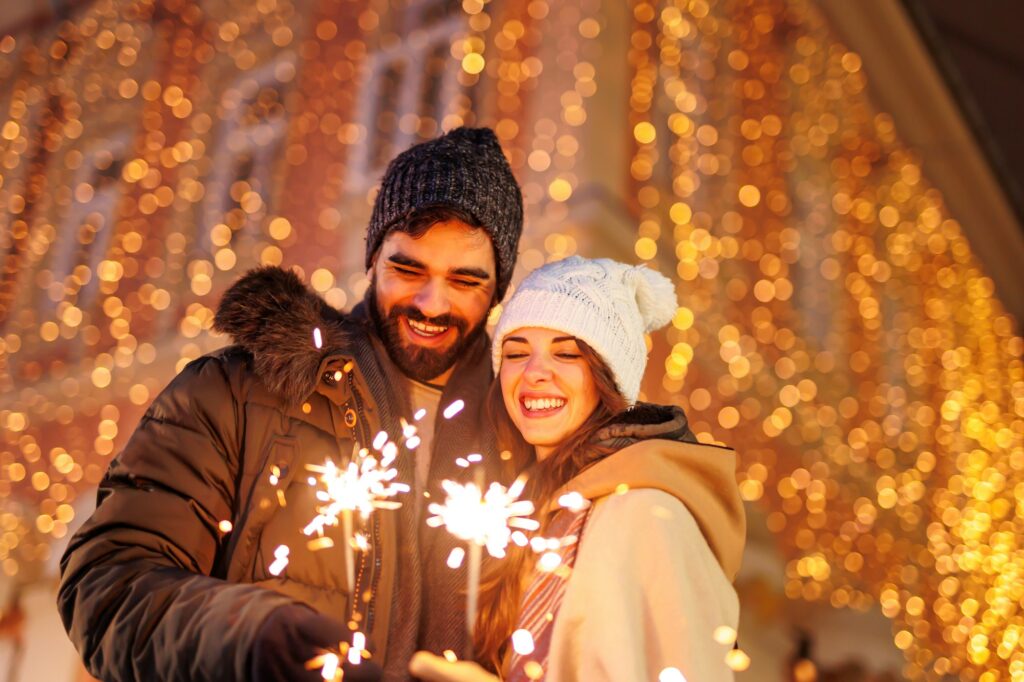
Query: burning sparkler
[(365, 484), (482, 519), (330, 663)]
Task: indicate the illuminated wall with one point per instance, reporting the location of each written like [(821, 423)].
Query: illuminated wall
[(834, 326)]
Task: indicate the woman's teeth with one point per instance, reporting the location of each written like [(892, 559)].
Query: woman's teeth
[(534, 404), (427, 329)]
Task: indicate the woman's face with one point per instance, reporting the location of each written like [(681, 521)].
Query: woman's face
[(547, 385)]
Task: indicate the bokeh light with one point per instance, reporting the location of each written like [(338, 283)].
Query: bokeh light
[(834, 324)]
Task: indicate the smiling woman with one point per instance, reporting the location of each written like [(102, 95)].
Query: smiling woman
[(640, 514), (547, 386)]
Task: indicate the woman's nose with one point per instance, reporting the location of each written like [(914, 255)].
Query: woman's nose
[(537, 368)]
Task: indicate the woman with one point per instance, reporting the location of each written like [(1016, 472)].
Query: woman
[(647, 580)]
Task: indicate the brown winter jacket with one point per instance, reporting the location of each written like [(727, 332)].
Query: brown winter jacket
[(152, 589)]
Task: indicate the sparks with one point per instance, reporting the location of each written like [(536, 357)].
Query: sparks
[(486, 519), (549, 561), (280, 560), (454, 408), (330, 669), (671, 675), (456, 557), (522, 642), (355, 652), (573, 501), (364, 485)]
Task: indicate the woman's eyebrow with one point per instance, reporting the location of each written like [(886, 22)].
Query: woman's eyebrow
[(517, 339)]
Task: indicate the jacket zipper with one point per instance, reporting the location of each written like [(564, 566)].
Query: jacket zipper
[(375, 544)]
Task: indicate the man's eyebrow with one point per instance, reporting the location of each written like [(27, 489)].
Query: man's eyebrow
[(402, 259), (477, 273)]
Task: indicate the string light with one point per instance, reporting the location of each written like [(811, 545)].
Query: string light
[(834, 323)]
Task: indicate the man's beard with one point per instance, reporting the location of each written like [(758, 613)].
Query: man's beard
[(417, 362)]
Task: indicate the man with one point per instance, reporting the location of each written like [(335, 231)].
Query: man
[(168, 579)]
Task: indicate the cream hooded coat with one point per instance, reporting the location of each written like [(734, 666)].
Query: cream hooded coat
[(654, 569)]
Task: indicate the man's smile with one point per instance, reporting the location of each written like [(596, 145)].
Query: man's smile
[(426, 334)]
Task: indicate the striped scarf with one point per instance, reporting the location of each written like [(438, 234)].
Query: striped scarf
[(543, 598)]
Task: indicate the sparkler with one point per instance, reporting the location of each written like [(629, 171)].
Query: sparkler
[(330, 663), (365, 484), (482, 519)]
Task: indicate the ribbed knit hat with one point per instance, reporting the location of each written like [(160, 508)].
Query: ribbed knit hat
[(607, 304), (464, 169)]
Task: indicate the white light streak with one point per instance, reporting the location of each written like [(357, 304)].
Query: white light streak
[(454, 408), (549, 561), (355, 652), (522, 642), (330, 668), (573, 501), (280, 560)]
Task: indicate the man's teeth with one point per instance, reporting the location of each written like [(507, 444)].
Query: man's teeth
[(543, 403), (425, 328)]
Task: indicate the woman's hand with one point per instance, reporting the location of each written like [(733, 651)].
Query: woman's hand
[(431, 668)]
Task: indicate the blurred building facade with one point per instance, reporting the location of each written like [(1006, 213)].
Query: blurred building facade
[(836, 325)]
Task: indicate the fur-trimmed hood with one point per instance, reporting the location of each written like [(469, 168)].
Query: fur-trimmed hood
[(273, 315)]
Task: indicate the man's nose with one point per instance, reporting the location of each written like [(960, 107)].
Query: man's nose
[(432, 299)]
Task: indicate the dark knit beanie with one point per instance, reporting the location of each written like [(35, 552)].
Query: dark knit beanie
[(465, 169)]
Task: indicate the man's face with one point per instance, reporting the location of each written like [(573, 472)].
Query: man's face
[(430, 296)]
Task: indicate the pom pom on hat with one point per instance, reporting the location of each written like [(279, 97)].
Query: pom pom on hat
[(607, 304), (655, 296)]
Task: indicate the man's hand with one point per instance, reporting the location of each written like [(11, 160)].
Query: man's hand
[(293, 635), (431, 668)]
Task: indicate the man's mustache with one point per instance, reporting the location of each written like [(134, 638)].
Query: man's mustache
[(413, 313)]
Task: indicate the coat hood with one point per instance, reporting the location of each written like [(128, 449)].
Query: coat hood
[(272, 314), (657, 454)]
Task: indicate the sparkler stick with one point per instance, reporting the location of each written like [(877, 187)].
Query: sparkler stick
[(363, 485), (350, 563), (473, 570)]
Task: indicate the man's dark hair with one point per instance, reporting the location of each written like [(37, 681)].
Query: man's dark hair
[(419, 220)]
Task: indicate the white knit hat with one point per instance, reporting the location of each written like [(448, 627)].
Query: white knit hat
[(607, 304)]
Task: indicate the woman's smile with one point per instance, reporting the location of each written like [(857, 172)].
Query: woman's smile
[(537, 406)]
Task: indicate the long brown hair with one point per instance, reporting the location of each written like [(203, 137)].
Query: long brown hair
[(501, 586)]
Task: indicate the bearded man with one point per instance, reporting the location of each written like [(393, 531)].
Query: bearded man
[(154, 586)]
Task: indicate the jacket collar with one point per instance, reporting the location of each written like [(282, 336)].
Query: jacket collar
[(645, 421)]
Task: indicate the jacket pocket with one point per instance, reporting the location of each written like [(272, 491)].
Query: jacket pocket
[(315, 561), (275, 474)]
